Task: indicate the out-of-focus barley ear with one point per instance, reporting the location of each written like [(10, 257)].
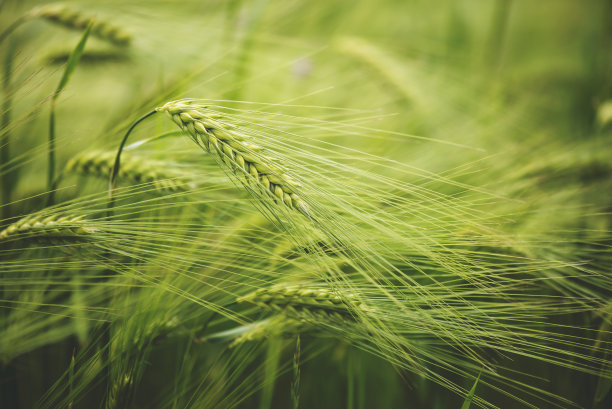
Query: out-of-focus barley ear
[(74, 19), (136, 170), (69, 17)]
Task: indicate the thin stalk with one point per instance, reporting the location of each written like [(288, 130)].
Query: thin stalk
[(499, 27), (271, 369), (51, 154), (116, 166), (295, 384), (71, 378), (71, 65), (105, 329), (350, 384), (7, 372), (5, 153), (12, 27), (241, 71)]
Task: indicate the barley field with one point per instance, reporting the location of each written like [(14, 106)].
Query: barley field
[(306, 204)]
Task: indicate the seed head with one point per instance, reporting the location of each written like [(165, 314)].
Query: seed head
[(255, 167)]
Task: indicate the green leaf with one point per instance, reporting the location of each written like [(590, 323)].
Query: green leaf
[(468, 399), (73, 60)]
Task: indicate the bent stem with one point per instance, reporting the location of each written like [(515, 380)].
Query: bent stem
[(115, 171)]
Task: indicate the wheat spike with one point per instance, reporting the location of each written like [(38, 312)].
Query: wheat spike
[(42, 226), (99, 163), (236, 150), (75, 19)]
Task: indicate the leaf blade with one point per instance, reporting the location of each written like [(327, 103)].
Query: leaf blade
[(73, 59), (468, 399)]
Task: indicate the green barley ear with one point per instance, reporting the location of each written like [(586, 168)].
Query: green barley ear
[(54, 227), (302, 302), (257, 170), (75, 19), (136, 170), (277, 325)]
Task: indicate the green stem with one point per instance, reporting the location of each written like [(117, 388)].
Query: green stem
[(71, 65), (501, 16), (271, 369), (350, 387), (5, 153), (51, 169), (241, 71), (12, 27), (295, 385), (115, 172)]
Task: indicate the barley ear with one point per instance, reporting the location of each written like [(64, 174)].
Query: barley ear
[(305, 303), (137, 170), (50, 227), (77, 20), (254, 167)]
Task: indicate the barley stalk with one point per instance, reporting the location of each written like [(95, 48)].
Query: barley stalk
[(6, 179), (77, 20), (73, 61), (295, 384), (137, 170), (238, 152), (40, 226)]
